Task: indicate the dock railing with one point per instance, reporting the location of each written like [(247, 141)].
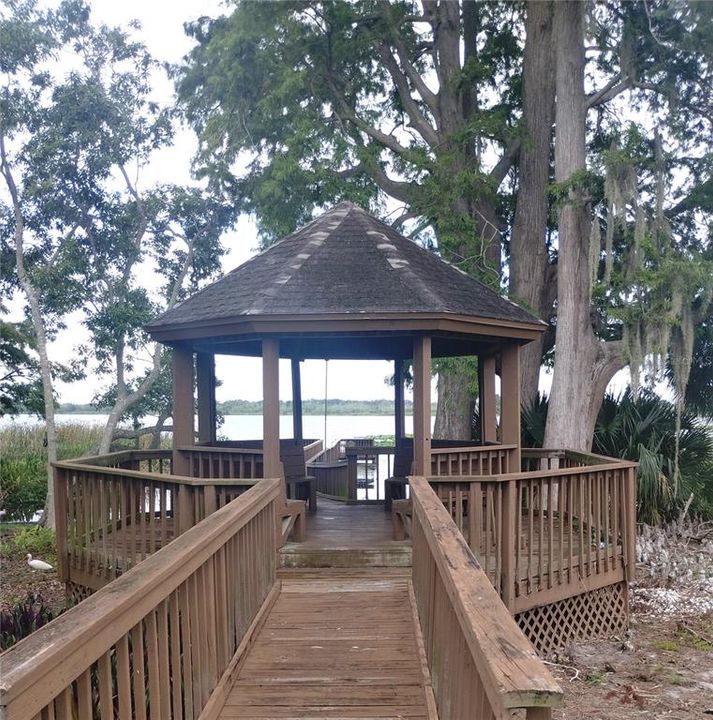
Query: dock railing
[(159, 641), (344, 469), (544, 535), (481, 663), (114, 510)]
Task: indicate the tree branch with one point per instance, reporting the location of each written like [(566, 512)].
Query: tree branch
[(502, 167), (613, 88), (418, 120), (347, 114)]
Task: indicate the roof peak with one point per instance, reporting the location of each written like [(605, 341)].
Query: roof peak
[(344, 262)]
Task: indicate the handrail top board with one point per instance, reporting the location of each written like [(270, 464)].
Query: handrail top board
[(155, 477), (48, 660), (227, 450), (534, 474), (512, 673), (128, 454)]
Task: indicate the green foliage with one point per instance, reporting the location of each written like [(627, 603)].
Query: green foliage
[(23, 463), (20, 383), (74, 139), (322, 97), (643, 429), (36, 540)]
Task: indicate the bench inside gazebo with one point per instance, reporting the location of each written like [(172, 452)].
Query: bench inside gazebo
[(244, 600)]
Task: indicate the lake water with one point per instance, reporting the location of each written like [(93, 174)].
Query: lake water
[(249, 427)]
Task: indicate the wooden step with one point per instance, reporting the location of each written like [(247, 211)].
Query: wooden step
[(296, 555)]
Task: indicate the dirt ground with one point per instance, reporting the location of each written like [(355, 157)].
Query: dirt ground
[(663, 669), (17, 579)]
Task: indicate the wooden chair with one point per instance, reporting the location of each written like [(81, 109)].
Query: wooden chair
[(300, 486), (395, 486)]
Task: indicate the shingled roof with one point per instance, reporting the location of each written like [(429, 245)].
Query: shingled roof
[(345, 262)]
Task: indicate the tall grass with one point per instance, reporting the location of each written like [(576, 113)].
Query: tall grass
[(23, 463)]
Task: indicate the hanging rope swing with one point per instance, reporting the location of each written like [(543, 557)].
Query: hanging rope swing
[(326, 395)]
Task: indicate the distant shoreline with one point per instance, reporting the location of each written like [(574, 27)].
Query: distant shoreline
[(335, 407)]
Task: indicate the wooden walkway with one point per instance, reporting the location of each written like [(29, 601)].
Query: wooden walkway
[(336, 645), (341, 535)]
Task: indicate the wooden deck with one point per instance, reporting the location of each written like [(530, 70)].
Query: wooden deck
[(338, 647), (341, 535)]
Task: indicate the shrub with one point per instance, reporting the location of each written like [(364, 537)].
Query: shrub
[(36, 540), (24, 618), (643, 429), (23, 463)]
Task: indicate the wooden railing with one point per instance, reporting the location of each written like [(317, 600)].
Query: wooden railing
[(468, 461), (347, 467), (110, 517), (223, 462), (546, 535), (344, 469), (481, 664), (157, 641), (234, 458)]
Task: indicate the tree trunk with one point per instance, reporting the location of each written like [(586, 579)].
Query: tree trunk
[(528, 243), (38, 325), (583, 365), (454, 411), (125, 400)]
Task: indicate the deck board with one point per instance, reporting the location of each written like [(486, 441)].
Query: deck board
[(334, 648)]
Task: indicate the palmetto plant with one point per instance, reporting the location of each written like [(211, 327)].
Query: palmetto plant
[(643, 428)]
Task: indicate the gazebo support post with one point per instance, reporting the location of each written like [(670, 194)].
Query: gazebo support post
[(182, 408), (510, 435), (510, 401), (399, 408), (486, 387), (422, 405), (205, 381), (297, 432), (271, 407)]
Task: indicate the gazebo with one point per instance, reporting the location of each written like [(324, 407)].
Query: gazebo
[(345, 286), (194, 595)]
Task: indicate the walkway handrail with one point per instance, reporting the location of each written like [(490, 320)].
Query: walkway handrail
[(188, 607), (110, 518), (477, 655)]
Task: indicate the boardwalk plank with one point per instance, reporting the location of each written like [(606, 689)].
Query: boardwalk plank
[(334, 647)]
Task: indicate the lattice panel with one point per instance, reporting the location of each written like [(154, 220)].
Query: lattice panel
[(76, 593), (595, 614)]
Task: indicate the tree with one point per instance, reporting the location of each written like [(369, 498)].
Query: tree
[(72, 144), (636, 290), (372, 101), (364, 101)]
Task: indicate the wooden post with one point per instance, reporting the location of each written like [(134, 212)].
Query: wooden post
[(297, 432), (510, 402), (630, 512), (182, 408), (61, 511), (205, 380), (422, 405), (486, 382), (351, 474), (271, 408), (399, 408), (508, 539)]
